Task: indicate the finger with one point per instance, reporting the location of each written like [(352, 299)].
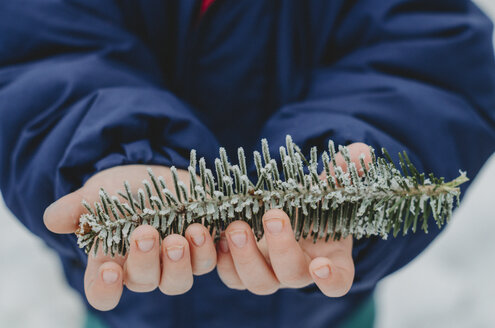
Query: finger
[(225, 265), (177, 277), (333, 280), (203, 254), (142, 268), (63, 215), (250, 264), (288, 260), (103, 281), (105, 290), (355, 151)]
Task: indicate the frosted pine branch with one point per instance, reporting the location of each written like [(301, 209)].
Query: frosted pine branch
[(379, 200)]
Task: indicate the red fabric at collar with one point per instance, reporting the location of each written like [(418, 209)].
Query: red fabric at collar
[(205, 4)]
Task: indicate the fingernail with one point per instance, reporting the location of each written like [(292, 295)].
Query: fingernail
[(145, 245), (175, 252), (224, 245), (322, 272), (109, 276), (198, 239), (238, 237), (274, 226)]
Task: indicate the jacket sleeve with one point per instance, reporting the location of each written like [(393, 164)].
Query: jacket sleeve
[(79, 94), (405, 75)]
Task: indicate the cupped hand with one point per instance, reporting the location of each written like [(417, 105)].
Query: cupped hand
[(279, 261), (168, 264)]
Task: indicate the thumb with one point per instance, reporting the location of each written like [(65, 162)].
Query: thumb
[(355, 151), (63, 215)]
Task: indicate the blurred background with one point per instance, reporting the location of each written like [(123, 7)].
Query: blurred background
[(451, 284)]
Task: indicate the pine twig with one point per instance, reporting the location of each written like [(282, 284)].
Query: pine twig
[(379, 200)]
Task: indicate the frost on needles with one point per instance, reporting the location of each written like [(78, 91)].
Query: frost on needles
[(379, 199)]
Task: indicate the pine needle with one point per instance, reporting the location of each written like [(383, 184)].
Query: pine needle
[(379, 200)]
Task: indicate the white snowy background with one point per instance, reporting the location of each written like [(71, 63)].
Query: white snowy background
[(451, 284)]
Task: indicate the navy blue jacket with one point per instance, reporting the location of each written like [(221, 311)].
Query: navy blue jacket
[(90, 84)]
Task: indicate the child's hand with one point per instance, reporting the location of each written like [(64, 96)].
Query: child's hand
[(276, 261), (279, 261), (148, 265)]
